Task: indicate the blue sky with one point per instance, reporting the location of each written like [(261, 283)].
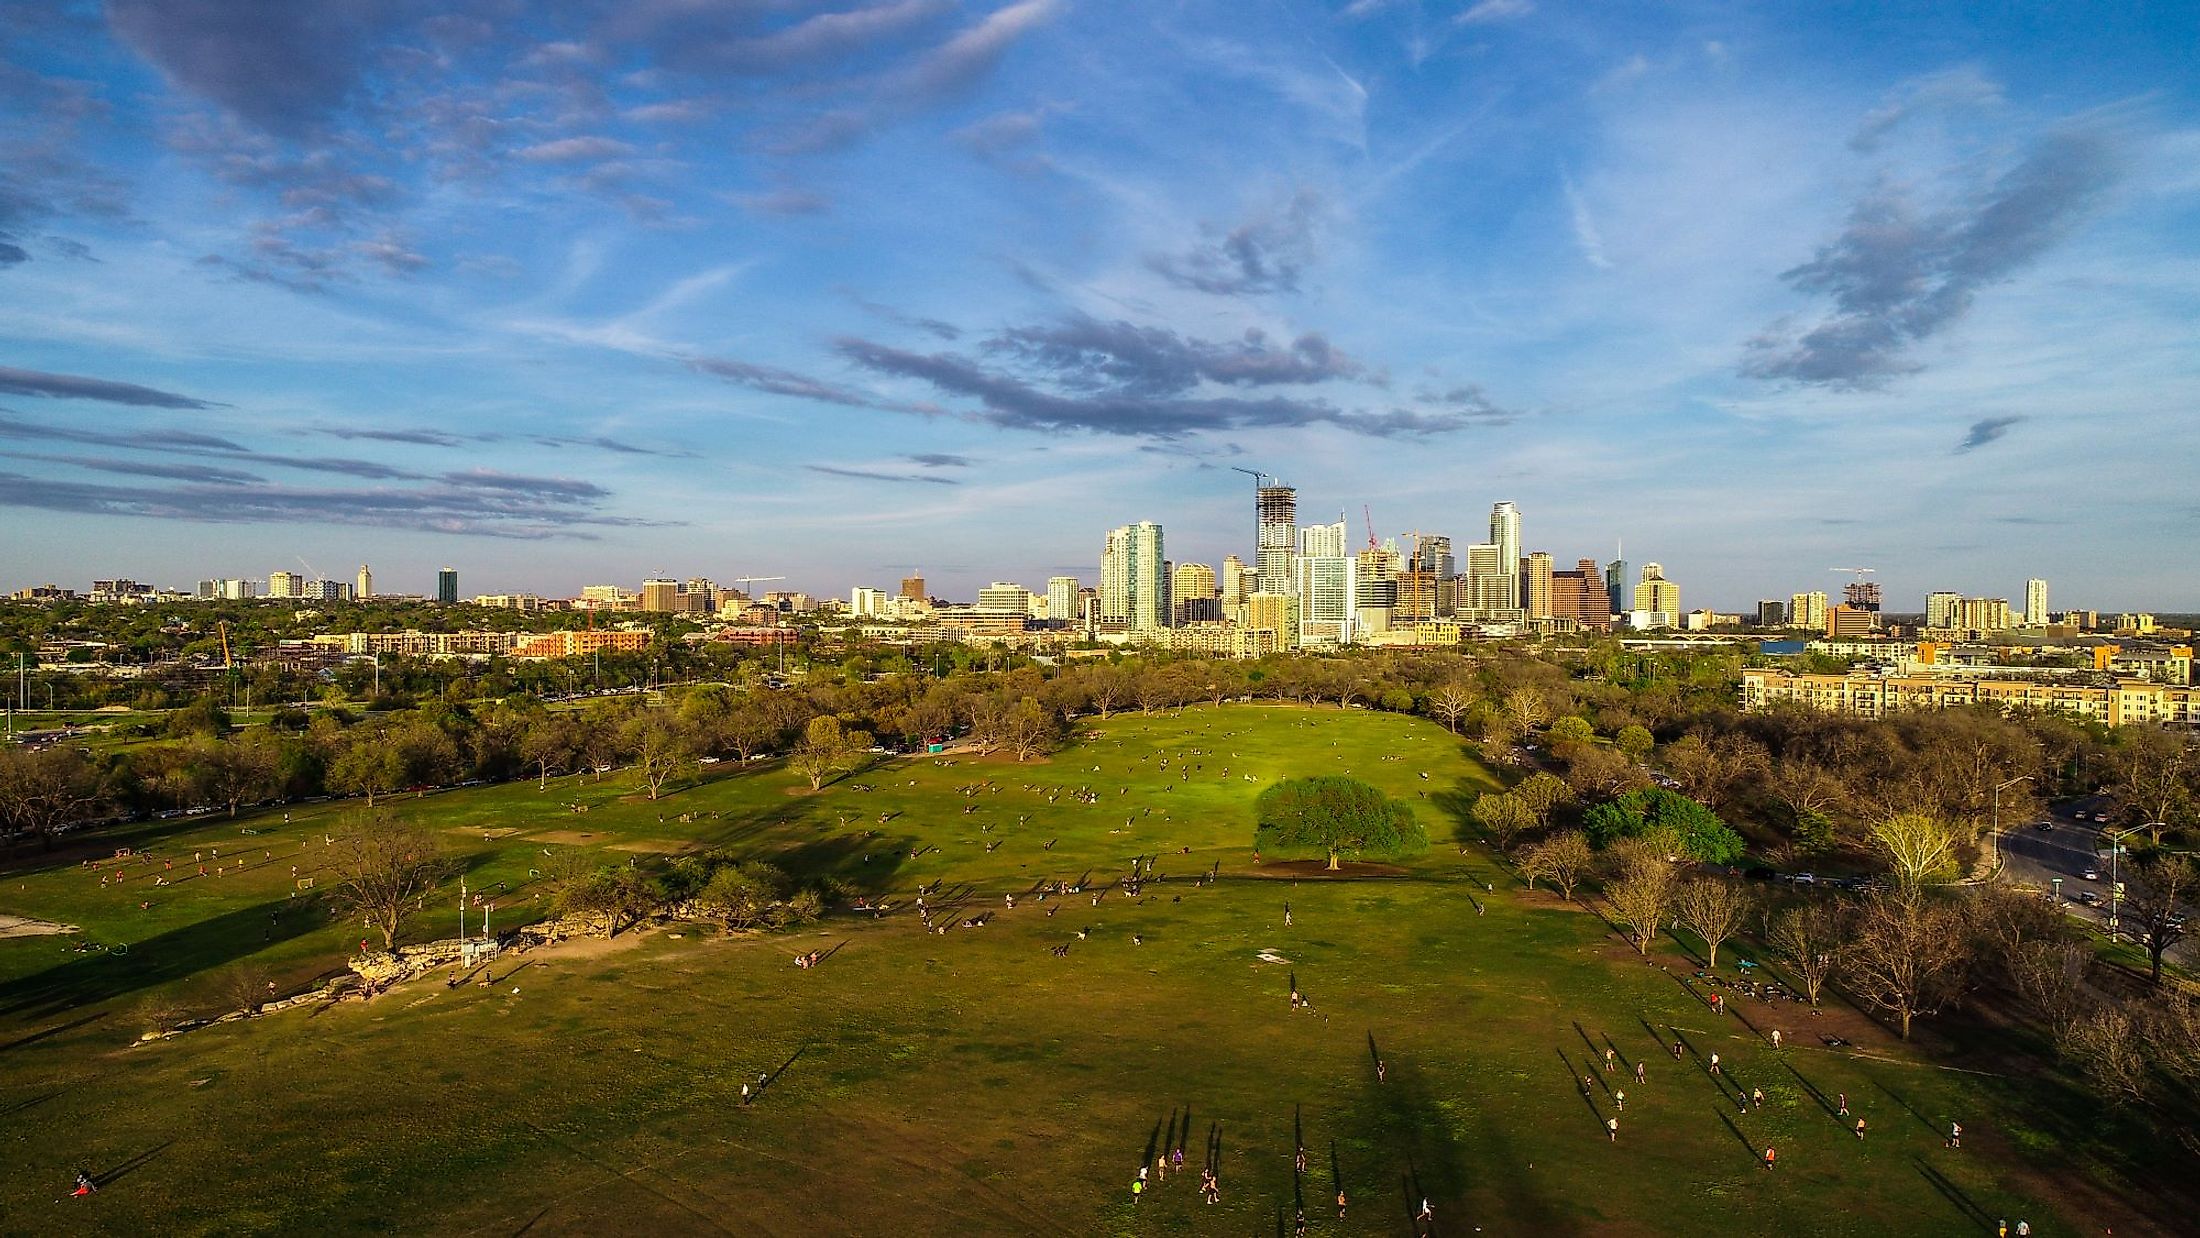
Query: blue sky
[(564, 293)]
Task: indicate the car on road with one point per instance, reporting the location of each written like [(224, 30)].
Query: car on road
[(2091, 874), (1806, 879), (2088, 897), (2043, 825)]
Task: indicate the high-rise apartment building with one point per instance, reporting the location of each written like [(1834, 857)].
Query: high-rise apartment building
[(662, 597), (1192, 594), (1491, 585), (1326, 599), (446, 586), (1616, 584), (1505, 536), (1772, 613), (1535, 585), (1808, 610), (1982, 615), (1134, 584), (364, 587), (1062, 599), (1846, 622), (1658, 596), (912, 587), (285, 585), (2035, 603), (1276, 519), (1324, 541), (1236, 581), (1940, 608)]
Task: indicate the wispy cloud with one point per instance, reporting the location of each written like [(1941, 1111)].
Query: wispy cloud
[(1986, 430), (1266, 253), (1586, 236), (1897, 276), (1489, 11), (871, 475), (1952, 90), (77, 387)]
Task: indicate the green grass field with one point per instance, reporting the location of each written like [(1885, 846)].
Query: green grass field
[(972, 1082)]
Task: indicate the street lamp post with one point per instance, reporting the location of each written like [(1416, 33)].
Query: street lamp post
[(2115, 883), (1997, 814)]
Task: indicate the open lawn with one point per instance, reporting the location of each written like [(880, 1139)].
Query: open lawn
[(973, 1082)]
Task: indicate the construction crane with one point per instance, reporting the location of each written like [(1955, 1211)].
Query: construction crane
[(1259, 478), (1859, 572), (746, 581), (228, 663), (1367, 514), (1860, 594)]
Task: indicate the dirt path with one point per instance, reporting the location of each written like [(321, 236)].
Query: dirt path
[(24, 926)]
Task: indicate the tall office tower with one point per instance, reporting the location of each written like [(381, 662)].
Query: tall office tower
[(1656, 594), (1324, 541), (446, 586), (1192, 594), (1491, 583), (702, 595), (1276, 520), (1326, 598), (1940, 608), (1134, 585), (661, 596), (1864, 595), (912, 587), (285, 585), (1772, 613), (1535, 585), (365, 586), (1808, 610), (1432, 554), (1505, 535), (1062, 599), (1615, 583), (1580, 595), (2035, 603), (1236, 581)]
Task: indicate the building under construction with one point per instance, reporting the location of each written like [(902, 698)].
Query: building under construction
[(1276, 515)]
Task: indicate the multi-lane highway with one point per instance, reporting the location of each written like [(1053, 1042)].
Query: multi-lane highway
[(2070, 847)]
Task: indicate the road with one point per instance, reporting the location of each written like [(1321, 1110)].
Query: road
[(2069, 849)]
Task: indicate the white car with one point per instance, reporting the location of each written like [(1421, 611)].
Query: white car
[(1806, 879), (2091, 874)]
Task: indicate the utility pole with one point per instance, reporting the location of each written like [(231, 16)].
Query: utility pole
[(2115, 882)]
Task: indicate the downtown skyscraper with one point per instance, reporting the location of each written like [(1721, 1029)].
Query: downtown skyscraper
[(1134, 578)]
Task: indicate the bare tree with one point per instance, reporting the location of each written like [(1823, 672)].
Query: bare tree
[(1527, 708), (1504, 816), (1919, 846), (2154, 769), (384, 864), (1452, 701), (1906, 955), (663, 749), (2151, 917), (1714, 909), (1563, 859), (42, 791), (1807, 941), (1643, 893), (2107, 1045), (1030, 729), (2051, 975)]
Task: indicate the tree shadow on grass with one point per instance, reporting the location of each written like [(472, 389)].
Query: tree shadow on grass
[(111, 1176), (1954, 1194), (1896, 1097), (1756, 1154), (173, 955), (55, 1030)]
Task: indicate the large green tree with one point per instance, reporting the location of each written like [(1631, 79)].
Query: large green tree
[(1332, 816), (1703, 835)]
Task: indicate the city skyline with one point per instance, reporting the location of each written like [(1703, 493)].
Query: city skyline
[(961, 286)]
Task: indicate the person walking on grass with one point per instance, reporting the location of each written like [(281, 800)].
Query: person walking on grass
[(1757, 1098), (1715, 1064), (1844, 1103), (1775, 1040), (1955, 1134), (1639, 1073), (1608, 1055), (1771, 1154), (1611, 1128), (1340, 1203), (1860, 1129), (1619, 1101)]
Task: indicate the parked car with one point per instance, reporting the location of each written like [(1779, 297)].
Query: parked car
[(1806, 879), (2091, 874)]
